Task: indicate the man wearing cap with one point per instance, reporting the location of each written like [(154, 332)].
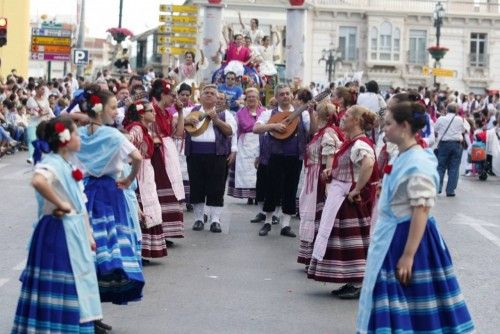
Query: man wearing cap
[(206, 156)]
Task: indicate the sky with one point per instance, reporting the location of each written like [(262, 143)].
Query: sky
[(138, 15)]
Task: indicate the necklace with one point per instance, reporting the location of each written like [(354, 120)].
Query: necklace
[(406, 149)]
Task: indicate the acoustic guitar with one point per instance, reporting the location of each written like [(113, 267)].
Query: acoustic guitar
[(291, 119), (203, 121)]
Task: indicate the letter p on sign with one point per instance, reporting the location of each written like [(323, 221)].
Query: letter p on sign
[(80, 57)]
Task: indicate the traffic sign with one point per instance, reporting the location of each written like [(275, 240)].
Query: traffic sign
[(176, 39), (80, 57), (178, 19), (177, 29), (179, 9), (51, 42), (162, 49), (50, 56), (50, 48), (443, 72), (50, 32), (44, 40)]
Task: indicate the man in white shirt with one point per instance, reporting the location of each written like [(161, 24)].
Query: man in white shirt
[(206, 156), (449, 129), (284, 160)]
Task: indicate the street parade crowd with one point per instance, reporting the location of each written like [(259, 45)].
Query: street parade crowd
[(117, 161)]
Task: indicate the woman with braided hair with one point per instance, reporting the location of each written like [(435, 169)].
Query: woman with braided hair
[(341, 244), (138, 119), (103, 155), (165, 157)]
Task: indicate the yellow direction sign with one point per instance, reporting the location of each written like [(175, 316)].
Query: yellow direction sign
[(176, 39), (178, 29), (178, 19), (173, 50), (443, 72), (179, 9), (438, 72), (43, 40)]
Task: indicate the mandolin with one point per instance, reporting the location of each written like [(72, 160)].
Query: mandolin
[(291, 119), (203, 121)]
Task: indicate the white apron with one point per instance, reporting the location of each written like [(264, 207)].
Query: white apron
[(248, 150), (173, 167)]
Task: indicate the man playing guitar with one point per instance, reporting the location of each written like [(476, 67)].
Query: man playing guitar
[(284, 159), (206, 155)]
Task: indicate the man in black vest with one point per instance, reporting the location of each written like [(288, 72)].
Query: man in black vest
[(206, 156), (284, 159)]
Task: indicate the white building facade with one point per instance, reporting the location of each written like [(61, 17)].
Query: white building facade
[(388, 39)]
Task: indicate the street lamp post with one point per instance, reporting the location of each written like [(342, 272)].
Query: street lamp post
[(438, 16), (330, 57)]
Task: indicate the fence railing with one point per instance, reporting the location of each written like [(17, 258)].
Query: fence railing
[(421, 6)]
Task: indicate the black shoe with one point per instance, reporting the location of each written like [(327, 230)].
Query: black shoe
[(265, 230), (205, 218), (450, 195), (169, 243), (351, 293), (145, 262), (102, 325), (259, 218), (250, 201), (287, 232), (275, 220), (99, 330), (198, 226), (215, 228), (342, 289), (189, 207)]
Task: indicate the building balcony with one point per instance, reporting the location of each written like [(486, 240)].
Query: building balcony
[(413, 6)]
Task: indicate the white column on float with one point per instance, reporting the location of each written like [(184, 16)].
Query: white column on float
[(212, 27), (295, 43)]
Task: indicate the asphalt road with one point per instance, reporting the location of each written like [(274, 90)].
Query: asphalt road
[(238, 282)]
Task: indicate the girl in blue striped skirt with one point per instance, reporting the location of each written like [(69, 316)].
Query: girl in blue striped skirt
[(59, 291), (103, 155), (409, 284)]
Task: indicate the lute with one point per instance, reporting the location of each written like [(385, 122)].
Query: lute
[(201, 126), (291, 118)]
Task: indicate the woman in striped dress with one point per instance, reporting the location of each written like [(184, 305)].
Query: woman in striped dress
[(59, 291), (103, 156), (165, 158), (319, 155), (341, 244), (410, 285), (138, 118), (243, 174)]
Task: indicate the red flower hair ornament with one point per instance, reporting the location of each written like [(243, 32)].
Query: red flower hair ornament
[(63, 133), (96, 103)]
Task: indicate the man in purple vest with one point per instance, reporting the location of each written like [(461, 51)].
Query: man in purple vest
[(206, 157), (284, 159)]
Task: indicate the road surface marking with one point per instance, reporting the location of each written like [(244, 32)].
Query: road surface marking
[(478, 225), (3, 281), (487, 234)]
